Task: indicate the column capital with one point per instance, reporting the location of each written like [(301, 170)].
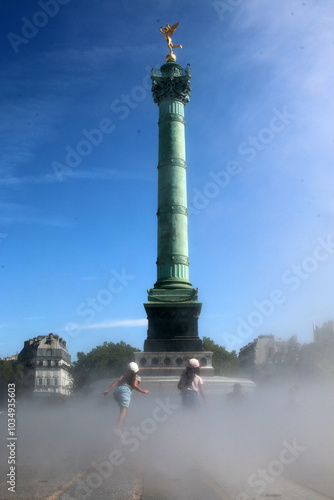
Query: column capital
[(171, 82)]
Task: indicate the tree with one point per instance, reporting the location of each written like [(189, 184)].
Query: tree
[(11, 372), (224, 362), (108, 360)]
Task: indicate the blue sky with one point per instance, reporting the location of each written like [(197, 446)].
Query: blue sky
[(78, 188)]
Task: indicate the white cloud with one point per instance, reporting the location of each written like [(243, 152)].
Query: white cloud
[(126, 323)]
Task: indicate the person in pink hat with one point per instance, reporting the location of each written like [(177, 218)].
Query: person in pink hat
[(124, 387), (191, 386)]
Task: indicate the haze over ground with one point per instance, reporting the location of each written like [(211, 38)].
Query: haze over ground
[(248, 448)]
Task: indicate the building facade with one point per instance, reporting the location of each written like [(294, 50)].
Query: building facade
[(46, 363), (324, 333), (266, 356)]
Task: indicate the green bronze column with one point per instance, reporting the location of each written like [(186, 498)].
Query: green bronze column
[(171, 91), (172, 307)]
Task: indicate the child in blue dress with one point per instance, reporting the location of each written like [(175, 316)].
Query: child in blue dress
[(124, 387)]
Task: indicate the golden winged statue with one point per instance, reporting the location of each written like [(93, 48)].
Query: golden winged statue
[(167, 31)]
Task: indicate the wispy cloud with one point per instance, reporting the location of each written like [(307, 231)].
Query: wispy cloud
[(106, 175), (126, 323), (11, 213), (33, 318), (90, 175), (94, 56)]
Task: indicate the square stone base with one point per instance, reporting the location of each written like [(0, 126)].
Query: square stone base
[(173, 327), (170, 364)]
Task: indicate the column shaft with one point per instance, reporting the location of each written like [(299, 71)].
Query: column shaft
[(173, 262)]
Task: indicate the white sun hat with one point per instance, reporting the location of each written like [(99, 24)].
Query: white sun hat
[(133, 367)]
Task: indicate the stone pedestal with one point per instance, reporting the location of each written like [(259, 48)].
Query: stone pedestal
[(171, 363), (172, 326)]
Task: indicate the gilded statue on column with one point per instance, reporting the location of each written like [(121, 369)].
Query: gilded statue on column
[(167, 31)]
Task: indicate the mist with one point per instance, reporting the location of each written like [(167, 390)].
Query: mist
[(247, 450)]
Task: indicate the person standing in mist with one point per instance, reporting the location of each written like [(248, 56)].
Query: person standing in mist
[(191, 386), (236, 397), (124, 387)]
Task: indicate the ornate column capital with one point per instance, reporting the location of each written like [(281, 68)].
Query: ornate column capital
[(171, 82)]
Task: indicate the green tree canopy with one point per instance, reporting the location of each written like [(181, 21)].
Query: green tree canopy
[(224, 362), (10, 372), (108, 360)]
